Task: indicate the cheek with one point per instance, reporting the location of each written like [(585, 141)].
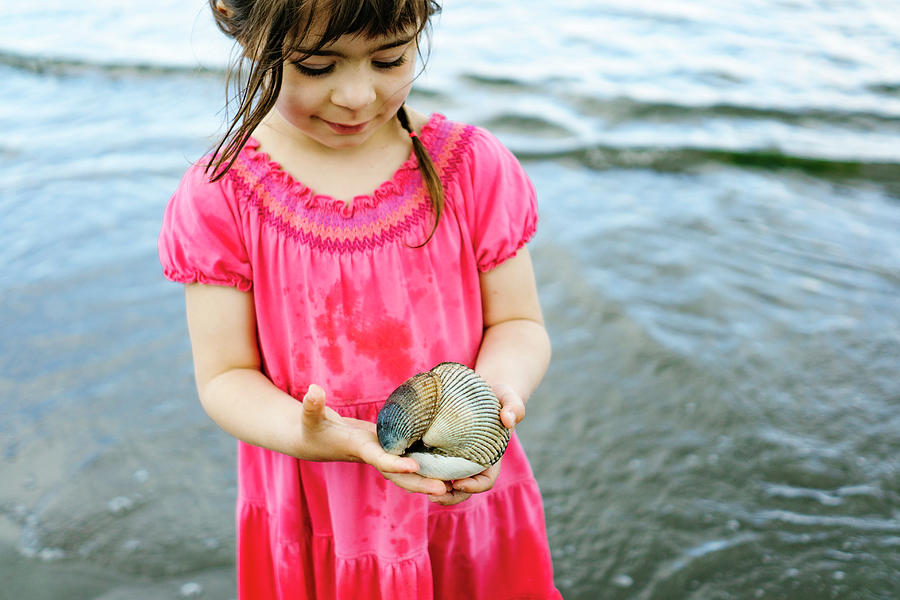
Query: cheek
[(398, 89), (396, 84), (299, 94), (398, 95), (294, 105)]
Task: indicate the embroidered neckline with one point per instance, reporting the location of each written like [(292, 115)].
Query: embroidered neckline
[(399, 209), (400, 180)]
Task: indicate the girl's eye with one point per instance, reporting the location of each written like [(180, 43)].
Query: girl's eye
[(313, 71), (319, 71), (389, 64)]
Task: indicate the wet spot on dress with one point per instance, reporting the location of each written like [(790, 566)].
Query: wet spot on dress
[(387, 341), (346, 317), (329, 346), (401, 546)]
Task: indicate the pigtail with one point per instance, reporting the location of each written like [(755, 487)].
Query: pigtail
[(429, 173)]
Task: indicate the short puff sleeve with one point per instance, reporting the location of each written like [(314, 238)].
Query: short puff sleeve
[(202, 235), (503, 209)]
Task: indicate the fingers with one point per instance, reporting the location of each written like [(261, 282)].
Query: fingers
[(372, 453), (474, 484), (450, 498), (512, 407), (480, 482), (412, 482)]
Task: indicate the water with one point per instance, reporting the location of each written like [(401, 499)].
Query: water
[(719, 264)]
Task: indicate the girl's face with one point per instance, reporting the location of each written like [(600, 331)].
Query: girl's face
[(343, 95)]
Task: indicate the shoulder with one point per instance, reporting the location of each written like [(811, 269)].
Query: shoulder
[(198, 187), (199, 203), (202, 233), (197, 179), (461, 149), (479, 153), (488, 151), (483, 149)]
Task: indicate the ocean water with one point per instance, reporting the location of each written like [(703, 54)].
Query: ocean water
[(718, 260)]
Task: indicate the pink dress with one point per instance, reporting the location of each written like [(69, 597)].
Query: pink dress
[(343, 300)]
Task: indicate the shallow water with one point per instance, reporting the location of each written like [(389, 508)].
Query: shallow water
[(718, 259)]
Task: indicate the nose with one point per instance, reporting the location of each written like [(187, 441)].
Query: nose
[(354, 91)]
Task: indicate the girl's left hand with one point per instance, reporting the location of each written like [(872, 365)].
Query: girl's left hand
[(512, 411)]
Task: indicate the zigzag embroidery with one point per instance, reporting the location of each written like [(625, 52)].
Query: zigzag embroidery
[(325, 224)]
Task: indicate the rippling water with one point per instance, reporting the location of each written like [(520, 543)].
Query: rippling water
[(719, 264)]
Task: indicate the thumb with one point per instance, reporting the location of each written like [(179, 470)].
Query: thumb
[(313, 406)]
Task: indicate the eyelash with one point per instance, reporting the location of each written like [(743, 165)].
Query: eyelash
[(385, 66), (390, 65)]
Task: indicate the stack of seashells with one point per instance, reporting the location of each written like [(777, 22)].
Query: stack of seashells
[(447, 419)]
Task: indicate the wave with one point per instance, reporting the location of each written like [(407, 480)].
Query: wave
[(55, 65), (823, 147), (626, 109), (623, 108), (688, 158)]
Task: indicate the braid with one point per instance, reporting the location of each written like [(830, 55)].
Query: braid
[(429, 172)]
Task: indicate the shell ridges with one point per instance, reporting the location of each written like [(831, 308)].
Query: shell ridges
[(453, 412)]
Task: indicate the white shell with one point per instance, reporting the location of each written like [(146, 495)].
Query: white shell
[(447, 419), (447, 468)]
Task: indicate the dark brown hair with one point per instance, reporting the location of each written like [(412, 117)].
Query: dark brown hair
[(270, 30)]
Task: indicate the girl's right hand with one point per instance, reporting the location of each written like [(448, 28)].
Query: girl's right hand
[(343, 438)]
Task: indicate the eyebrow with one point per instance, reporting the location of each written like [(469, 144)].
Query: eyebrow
[(395, 44)]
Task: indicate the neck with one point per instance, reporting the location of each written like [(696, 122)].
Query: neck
[(341, 173)]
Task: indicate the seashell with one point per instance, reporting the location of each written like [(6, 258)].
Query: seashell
[(447, 419)]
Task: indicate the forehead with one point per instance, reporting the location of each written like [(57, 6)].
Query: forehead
[(355, 44), (335, 22), (351, 44)]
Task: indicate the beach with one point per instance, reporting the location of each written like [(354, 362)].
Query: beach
[(718, 260)]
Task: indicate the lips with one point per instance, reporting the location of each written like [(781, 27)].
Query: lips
[(345, 128)]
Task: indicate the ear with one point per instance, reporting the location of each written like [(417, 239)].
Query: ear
[(223, 9)]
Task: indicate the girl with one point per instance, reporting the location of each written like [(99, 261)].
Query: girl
[(335, 244)]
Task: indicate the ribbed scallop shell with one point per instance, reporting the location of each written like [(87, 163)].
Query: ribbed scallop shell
[(451, 410)]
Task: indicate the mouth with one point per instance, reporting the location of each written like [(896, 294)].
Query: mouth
[(345, 128)]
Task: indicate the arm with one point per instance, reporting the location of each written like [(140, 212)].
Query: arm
[(514, 353), (246, 404), (515, 350)]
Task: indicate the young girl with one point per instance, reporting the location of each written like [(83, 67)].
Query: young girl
[(335, 244)]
